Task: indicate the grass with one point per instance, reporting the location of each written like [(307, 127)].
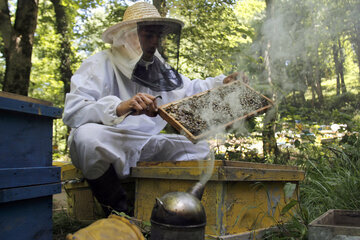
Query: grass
[(63, 224)]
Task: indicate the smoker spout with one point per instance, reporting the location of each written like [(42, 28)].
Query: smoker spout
[(197, 190)]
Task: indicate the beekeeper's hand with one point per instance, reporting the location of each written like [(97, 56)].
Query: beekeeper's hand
[(141, 103), (235, 76), (232, 77)]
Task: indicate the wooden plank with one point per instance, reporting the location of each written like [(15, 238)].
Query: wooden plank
[(258, 165), (335, 223), (253, 235), (21, 193), (176, 124), (19, 177), (192, 163), (17, 105), (338, 217), (184, 173), (26, 219), (260, 174), (70, 172), (25, 98), (219, 173), (197, 163), (28, 141)]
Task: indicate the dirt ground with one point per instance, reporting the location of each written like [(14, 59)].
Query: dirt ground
[(60, 201)]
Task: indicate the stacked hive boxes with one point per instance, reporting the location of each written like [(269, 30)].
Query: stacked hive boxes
[(27, 178)]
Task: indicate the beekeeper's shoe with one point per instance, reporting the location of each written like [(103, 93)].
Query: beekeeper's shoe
[(108, 191)]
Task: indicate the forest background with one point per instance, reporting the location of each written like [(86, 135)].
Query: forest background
[(305, 55)]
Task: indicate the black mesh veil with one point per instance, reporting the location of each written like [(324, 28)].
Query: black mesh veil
[(157, 73)]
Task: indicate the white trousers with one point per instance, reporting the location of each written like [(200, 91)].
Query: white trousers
[(93, 147)]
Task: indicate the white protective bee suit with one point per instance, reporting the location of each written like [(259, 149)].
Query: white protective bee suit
[(99, 137)]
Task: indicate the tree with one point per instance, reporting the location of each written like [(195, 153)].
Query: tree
[(270, 147), (65, 52), (339, 60), (352, 22), (161, 7), (211, 37), (18, 44)]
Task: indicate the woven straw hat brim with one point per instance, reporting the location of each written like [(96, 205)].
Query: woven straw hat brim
[(172, 25)]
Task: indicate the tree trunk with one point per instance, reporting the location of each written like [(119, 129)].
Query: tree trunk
[(336, 61), (270, 147), (18, 44), (161, 7), (302, 99), (318, 87), (65, 52), (294, 97), (358, 60), (310, 83), (313, 95), (342, 67), (355, 40)]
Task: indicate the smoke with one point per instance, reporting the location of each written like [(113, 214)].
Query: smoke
[(298, 37), (227, 105), (208, 167), (294, 39)]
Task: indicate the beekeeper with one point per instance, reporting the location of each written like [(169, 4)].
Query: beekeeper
[(113, 102)]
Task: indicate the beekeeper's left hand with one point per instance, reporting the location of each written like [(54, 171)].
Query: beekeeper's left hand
[(235, 76)]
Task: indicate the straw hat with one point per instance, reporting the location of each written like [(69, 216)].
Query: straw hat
[(142, 12)]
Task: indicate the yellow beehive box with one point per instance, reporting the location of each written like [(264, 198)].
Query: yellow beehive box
[(81, 203), (239, 197)]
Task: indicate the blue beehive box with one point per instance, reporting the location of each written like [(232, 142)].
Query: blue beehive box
[(27, 178)]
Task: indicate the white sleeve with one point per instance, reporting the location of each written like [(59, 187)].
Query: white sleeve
[(198, 85), (89, 99)]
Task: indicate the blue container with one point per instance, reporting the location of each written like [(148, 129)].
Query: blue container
[(27, 178)]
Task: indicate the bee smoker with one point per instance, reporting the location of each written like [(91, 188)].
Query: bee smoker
[(179, 215)]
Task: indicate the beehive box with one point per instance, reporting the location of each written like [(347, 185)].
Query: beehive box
[(336, 224), (27, 178), (239, 196), (81, 203), (200, 115)]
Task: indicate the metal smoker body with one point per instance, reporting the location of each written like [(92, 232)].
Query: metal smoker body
[(179, 216)]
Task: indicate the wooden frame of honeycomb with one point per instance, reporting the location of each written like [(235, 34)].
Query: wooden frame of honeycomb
[(219, 107)]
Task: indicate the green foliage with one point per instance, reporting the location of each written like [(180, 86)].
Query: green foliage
[(45, 83), (93, 22), (211, 37), (332, 182)]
